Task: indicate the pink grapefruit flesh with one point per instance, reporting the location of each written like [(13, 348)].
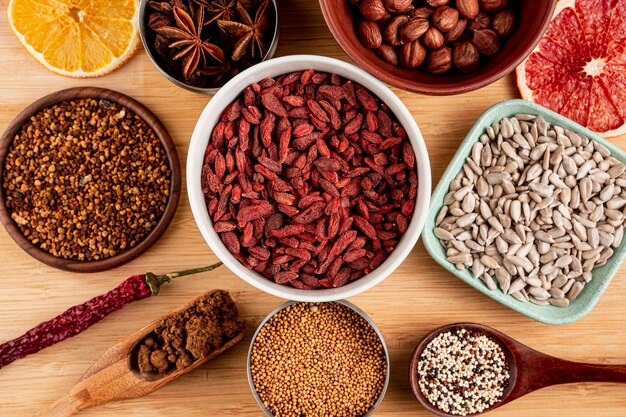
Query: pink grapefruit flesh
[(578, 69)]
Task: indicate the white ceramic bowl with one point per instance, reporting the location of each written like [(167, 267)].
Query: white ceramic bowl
[(273, 68)]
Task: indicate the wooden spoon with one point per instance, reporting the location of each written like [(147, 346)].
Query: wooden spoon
[(529, 371), (114, 376)]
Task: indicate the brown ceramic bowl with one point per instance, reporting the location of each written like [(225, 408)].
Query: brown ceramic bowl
[(172, 159), (534, 17)]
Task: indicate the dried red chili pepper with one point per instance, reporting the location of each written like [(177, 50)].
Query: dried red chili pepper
[(80, 317)]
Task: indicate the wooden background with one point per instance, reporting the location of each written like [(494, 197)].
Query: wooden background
[(419, 296)]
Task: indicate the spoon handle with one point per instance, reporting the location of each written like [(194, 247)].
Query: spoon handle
[(548, 370), (64, 407), (585, 372)]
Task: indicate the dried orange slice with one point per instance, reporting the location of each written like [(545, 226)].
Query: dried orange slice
[(579, 67), (76, 38)]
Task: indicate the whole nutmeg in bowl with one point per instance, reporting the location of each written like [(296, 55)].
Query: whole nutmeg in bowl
[(445, 18), (468, 8), (487, 42), (412, 55), (465, 56), (392, 30), (370, 34), (440, 27), (440, 60), (433, 38), (503, 22)]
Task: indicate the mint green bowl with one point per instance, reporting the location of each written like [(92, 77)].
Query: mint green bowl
[(602, 276)]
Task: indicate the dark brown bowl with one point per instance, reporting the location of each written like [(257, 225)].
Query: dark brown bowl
[(534, 17), (172, 158)]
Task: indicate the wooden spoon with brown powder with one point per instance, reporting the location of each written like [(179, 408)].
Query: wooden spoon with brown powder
[(116, 375)]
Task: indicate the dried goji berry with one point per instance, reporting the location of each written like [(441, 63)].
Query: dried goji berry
[(318, 196)]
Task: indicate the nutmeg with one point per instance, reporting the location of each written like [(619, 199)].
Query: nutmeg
[(373, 10), (370, 35), (487, 42), (388, 54), (422, 12), (413, 30), (482, 21), (440, 61), (412, 55), (467, 8), (399, 6), (437, 3), (492, 5), (503, 22), (391, 34), (465, 57), (433, 39), (456, 31), (445, 18)]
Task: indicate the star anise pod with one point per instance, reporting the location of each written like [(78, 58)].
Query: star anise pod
[(186, 37), (250, 32), (162, 15), (218, 9)]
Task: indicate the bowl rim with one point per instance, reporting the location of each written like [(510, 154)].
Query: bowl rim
[(425, 88), (200, 90), (200, 139), (433, 246), (345, 303), (172, 158)]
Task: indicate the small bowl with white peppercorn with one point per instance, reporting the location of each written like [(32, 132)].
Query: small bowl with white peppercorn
[(318, 359), (530, 212), (438, 47)]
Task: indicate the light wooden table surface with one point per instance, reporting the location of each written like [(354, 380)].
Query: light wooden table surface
[(419, 296)]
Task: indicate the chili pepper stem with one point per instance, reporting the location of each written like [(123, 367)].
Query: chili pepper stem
[(156, 281)]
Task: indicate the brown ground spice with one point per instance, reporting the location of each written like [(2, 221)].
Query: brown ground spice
[(86, 179), (318, 360), (184, 337)]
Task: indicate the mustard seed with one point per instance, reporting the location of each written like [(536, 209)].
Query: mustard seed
[(86, 180), (318, 360)]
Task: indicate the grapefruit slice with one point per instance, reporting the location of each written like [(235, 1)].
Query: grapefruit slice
[(578, 69), (76, 38)]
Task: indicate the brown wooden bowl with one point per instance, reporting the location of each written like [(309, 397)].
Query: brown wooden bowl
[(172, 158), (533, 19)]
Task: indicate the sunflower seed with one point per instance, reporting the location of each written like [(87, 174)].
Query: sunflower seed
[(559, 302), (517, 285), (518, 295), (461, 258), (575, 291), (504, 279), (489, 262), (521, 262), (443, 234), (536, 208), (466, 220), (539, 293), (491, 284), (539, 302)]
